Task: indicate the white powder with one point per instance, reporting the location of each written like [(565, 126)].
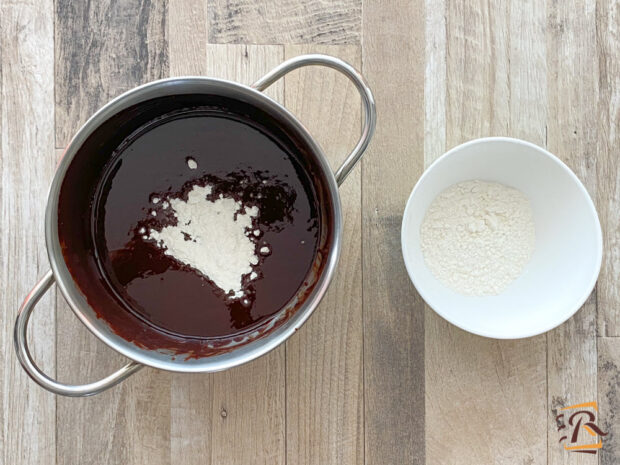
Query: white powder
[(478, 236), (191, 163), (212, 237)]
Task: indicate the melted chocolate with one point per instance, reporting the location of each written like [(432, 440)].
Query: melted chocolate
[(129, 281), (238, 161)]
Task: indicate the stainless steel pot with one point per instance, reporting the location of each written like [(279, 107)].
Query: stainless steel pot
[(263, 343)]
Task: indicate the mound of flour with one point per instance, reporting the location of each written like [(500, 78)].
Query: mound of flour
[(478, 236), (211, 236)]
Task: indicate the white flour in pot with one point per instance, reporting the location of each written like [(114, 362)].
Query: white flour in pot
[(213, 237), (478, 236)]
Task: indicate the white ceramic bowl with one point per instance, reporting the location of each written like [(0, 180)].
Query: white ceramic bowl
[(569, 246)]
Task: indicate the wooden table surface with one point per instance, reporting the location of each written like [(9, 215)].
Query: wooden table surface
[(375, 377)]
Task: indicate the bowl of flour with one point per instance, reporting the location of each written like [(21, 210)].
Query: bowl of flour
[(501, 238)]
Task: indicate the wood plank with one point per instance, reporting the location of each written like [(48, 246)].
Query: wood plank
[(285, 21), (187, 37), (26, 167), (191, 413), (435, 80), (191, 418), (477, 71), (129, 424), (249, 401), (607, 164), (324, 384), (393, 63), (103, 49), (494, 55), (609, 398), (572, 136), (527, 59)]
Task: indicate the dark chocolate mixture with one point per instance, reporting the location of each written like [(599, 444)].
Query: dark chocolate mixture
[(237, 160)]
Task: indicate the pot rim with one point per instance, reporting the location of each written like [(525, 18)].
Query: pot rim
[(99, 327)]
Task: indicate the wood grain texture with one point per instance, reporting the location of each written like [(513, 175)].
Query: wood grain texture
[(435, 81), (103, 49), (478, 87), (187, 37), (485, 398), (494, 80), (191, 402), (609, 398), (527, 61), (26, 167), (191, 418), (285, 21), (249, 401), (608, 166), (393, 64), (572, 136), (324, 384)]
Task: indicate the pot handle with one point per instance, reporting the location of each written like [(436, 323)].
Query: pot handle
[(368, 102), (25, 358)]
